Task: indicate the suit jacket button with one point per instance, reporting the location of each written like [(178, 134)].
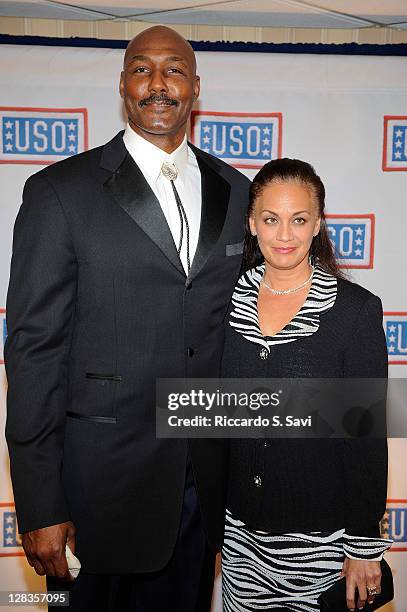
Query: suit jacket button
[(190, 352), (189, 286), (257, 481), (264, 353)]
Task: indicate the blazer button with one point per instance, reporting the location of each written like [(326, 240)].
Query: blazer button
[(190, 352), (264, 353), (257, 481), (189, 286)]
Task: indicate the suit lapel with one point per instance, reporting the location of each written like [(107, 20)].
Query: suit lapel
[(131, 191), (215, 199)]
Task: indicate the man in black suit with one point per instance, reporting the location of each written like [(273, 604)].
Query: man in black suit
[(124, 261)]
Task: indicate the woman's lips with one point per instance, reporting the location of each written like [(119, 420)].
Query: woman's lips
[(283, 249)]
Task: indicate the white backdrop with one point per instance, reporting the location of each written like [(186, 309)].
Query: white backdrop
[(347, 115)]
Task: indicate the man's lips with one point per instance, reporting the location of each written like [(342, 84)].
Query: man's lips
[(157, 102)]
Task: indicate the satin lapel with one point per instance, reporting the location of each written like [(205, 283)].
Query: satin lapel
[(215, 199), (130, 189)]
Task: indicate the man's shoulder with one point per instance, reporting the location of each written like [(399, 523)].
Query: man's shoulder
[(231, 174), (82, 165), (69, 167)]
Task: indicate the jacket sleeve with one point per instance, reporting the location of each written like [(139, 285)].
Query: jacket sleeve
[(365, 459), (365, 549), (40, 312)]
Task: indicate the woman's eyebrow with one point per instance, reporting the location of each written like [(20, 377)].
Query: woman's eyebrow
[(298, 212)]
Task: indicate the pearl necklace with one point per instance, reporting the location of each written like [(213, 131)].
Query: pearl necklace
[(287, 291)]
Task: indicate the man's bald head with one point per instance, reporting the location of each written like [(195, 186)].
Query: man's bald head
[(159, 85), (160, 37)]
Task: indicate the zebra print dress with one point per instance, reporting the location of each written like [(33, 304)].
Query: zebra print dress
[(267, 571), (264, 571)]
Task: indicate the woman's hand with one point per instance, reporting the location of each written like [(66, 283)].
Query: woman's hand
[(360, 574)]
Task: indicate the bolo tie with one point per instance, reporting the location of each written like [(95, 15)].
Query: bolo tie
[(170, 172)]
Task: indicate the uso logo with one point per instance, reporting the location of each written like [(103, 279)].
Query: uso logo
[(395, 327), (395, 143), (10, 542), (243, 140), (3, 333), (41, 135), (394, 524), (352, 237)]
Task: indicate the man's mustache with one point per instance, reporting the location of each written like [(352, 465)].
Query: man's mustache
[(158, 99)]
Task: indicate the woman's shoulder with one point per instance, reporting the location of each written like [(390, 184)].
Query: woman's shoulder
[(355, 303), (349, 291)]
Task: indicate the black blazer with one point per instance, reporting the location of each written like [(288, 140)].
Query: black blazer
[(321, 484), (98, 307)]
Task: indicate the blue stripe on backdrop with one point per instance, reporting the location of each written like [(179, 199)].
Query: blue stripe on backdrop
[(239, 47)]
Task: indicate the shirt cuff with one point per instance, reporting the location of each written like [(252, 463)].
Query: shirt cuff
[(367, 549)]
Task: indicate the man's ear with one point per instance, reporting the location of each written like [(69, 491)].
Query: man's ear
[(197, 87), (121, 84)]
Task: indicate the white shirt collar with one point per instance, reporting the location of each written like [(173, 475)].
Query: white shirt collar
[(150, 158)]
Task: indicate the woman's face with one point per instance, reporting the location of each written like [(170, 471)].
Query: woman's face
[(285, 219)]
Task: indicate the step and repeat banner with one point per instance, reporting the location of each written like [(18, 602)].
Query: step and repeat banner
[(347, 115)]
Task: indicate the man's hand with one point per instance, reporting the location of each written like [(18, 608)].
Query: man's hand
[(45, 549), (360, 574)]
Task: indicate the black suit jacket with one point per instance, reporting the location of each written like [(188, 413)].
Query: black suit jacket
[(98, 307)]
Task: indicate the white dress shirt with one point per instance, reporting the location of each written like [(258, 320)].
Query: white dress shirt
[(150, 159)]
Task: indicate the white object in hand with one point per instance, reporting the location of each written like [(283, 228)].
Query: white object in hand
[(74, 565)]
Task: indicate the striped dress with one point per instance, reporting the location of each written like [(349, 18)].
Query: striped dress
[(268, 571)]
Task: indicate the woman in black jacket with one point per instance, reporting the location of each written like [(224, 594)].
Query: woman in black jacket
[(301, 513)]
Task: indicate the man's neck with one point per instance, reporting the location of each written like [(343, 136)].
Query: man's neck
[(166, 142)]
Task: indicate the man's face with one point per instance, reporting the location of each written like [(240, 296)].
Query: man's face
[(159, 85)]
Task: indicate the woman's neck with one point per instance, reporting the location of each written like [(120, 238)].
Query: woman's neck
[(283, 278)]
